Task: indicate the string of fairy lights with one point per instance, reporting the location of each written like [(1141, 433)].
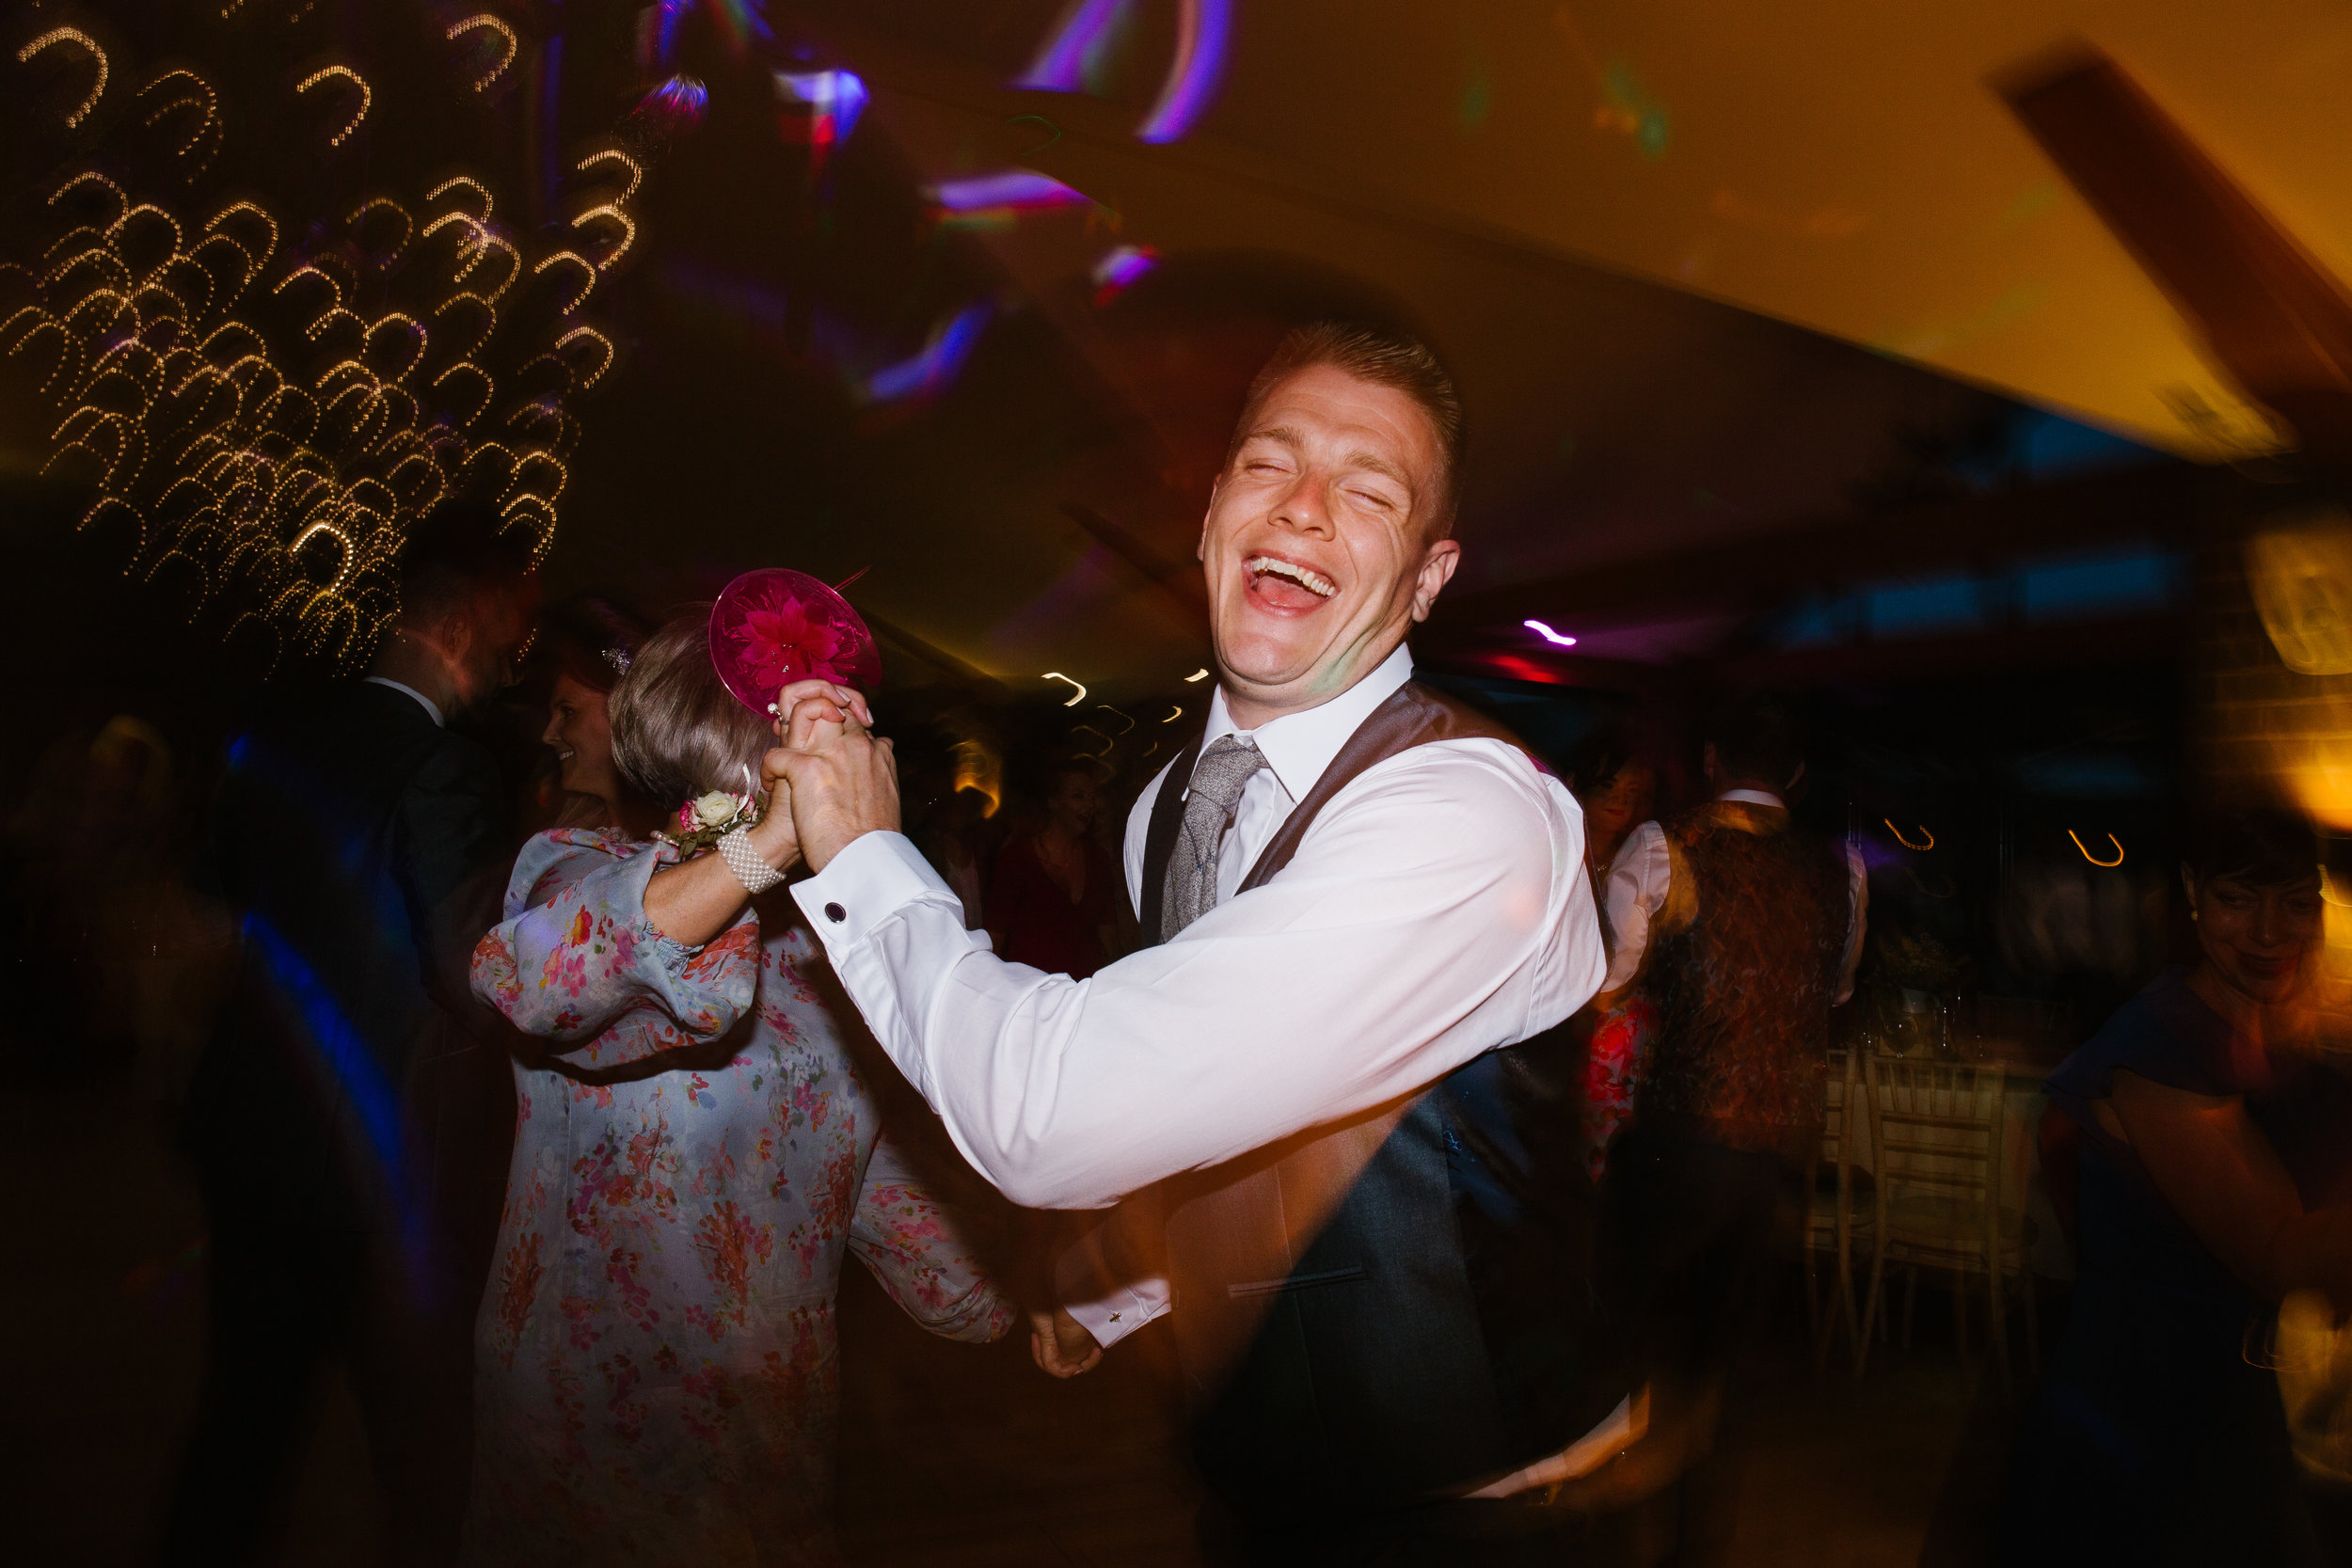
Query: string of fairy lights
[(265, 402)]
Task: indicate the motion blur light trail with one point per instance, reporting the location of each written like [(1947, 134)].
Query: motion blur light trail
[(1068, 57), (82, 40), (1120, 270), (985, 198), (818, 109), (674, 106), (1202, 29), (1062, 63), (263, 404), (931, 372)]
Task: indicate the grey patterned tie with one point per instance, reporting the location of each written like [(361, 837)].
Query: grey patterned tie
[(1217, 780)]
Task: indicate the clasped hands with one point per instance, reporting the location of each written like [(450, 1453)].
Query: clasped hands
[(830, 775), (839, 781)]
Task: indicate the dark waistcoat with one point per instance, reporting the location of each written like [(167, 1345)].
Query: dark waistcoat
[(1375, 1313), (1744, 992)]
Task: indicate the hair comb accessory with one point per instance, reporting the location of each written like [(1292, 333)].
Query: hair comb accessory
[(774, 626), (620, 659)]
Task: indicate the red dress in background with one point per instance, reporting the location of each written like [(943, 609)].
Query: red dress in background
[(1034, 920)]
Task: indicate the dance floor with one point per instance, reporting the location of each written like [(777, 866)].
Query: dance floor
[(950, 1455)]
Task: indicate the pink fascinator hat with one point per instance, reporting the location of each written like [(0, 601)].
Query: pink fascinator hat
[(774, 626)]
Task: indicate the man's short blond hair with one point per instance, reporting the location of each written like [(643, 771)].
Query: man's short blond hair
[(1385, 358)]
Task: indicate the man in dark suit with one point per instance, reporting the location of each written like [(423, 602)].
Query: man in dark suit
[(336, 1118)]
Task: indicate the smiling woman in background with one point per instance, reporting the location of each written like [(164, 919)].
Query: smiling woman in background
[(2213, 1184), (589, 643)]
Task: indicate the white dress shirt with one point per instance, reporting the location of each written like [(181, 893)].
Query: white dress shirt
[(1642, 876), (1437, 909), (425, 702)]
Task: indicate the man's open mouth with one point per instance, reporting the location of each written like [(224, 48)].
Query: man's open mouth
[(1286, 584)]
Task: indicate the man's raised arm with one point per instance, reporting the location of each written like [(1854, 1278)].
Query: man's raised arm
[(1421, 924)]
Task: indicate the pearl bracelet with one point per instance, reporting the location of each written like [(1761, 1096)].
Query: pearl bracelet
[(754, 873)]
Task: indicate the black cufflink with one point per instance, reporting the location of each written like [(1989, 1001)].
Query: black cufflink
[(835, 913)]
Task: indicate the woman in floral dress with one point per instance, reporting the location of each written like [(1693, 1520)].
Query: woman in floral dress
[(657, 1372)]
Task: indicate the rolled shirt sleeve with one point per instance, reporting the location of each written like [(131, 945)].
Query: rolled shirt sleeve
[(1638, 881), (1436, 909)]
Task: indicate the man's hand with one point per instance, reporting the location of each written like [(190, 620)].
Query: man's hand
[(844, 783), (1060, 1344), (773, 836)]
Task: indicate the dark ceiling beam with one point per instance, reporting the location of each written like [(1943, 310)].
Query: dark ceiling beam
[(2171, 502), (978, 681), (2278, 322), (1179, 580)]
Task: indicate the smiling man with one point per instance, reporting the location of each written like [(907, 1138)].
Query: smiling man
[(1326, 1088)]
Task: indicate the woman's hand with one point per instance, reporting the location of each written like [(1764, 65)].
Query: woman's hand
[(1060, 1345), (773, 836), (845, 780)]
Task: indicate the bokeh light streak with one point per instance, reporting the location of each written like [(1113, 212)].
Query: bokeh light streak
[(230, 428), (588, 279), (628, 228), (1057, 675), (930, 372), (1120, 270), (1202, 30), (1008, 190), (97, 56), (379, 203), (208, 103), (818, 109), (505, 34), (329, 72), (615, 155), (1061, 61), (2093, 858), (603, 341), (673, 106), (466, 182)]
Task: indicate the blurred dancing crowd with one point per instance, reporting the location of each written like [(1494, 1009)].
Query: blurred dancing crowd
[(520, 1080)]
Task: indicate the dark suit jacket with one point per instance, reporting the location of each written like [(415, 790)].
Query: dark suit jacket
[(363, 848)]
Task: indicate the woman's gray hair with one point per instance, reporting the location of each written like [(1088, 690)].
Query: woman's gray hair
[(677, 731)]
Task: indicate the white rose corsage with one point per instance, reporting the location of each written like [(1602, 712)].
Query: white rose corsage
[(707, 818)]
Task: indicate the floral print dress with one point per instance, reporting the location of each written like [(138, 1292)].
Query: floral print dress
[(656, 1364)]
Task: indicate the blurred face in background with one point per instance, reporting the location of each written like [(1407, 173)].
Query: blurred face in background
[(1610, 811), (2256, 937), (1072, 803), (1316, 546), (478, 643), (582, 737)]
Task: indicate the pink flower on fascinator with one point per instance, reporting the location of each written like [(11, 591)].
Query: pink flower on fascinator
[(772, 626), (782, 643)]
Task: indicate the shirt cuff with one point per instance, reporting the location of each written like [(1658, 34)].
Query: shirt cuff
[(878, 875), (1105, 1306), (1120, 1313)]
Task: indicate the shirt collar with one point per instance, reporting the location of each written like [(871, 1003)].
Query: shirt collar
[(1299, 746), (1754, 797), (426, 703)]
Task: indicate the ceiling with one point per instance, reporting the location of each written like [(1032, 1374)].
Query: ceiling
[(1710, 276), (1840, 163)]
